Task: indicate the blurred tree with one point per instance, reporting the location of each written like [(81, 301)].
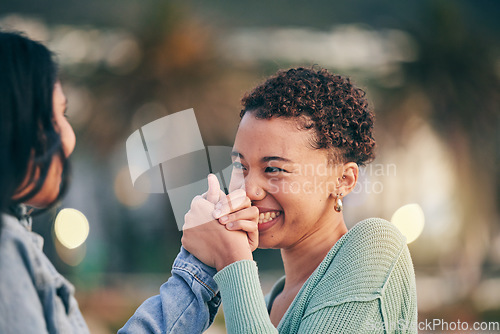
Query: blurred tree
[(457, 75)]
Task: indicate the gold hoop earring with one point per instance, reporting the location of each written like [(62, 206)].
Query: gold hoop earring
[(339, 205)]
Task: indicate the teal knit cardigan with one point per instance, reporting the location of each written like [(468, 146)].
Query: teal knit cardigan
[(365, 284)]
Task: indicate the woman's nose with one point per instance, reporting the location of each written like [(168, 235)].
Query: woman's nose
[(254, 189)]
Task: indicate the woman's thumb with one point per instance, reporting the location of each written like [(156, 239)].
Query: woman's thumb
[(213, 189)]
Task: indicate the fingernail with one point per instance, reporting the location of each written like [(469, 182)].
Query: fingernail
[(216, 213), (230, 225), (218, 205), (223, 219)]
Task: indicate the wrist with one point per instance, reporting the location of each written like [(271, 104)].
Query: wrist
[(232, 257)]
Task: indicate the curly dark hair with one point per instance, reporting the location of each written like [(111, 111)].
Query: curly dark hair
[(330, 104)]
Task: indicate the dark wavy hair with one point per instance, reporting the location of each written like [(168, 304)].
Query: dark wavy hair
[(28, 137), (329, 104)]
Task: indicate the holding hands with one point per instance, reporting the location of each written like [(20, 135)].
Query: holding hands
[(220, 229)]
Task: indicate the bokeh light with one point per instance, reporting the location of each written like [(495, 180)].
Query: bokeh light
[(410, 220), (71, 228), (72, 257)]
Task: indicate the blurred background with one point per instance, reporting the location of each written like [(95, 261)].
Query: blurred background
[(431, 70)]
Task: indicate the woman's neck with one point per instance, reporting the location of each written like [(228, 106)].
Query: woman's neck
[(304, 257)]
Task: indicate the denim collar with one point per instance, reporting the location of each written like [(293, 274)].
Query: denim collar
[(20, 211)]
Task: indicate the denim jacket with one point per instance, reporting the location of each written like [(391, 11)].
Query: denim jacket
[(187, 303), (34, 297)]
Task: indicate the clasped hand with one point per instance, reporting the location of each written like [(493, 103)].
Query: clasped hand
[(220, 229)]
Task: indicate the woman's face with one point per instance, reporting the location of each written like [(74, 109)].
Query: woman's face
[(50, 189), (285, 178)]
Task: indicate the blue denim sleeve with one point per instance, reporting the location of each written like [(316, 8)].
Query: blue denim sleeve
[(187, 303)]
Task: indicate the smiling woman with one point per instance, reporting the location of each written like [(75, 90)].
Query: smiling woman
[(302, 136), (303, 133)]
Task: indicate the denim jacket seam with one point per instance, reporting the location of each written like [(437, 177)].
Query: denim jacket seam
[(197, 279)]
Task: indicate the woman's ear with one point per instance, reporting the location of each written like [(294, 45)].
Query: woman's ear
[(347, 181)]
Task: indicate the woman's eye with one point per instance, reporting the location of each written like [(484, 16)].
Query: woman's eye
[(238, 165), (274, 170)]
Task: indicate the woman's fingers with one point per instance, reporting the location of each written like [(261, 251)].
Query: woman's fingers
[(244, 220), (210, 241), (213, 192), (199, 213), (235, 201), (249, 226), (250, 213)]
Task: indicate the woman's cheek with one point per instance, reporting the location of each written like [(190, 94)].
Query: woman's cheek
[(68, 139), (292, 187), (275, 186)]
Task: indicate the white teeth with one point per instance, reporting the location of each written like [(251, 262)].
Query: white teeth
[(268, 216)]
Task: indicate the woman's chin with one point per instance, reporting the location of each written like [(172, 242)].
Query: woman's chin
[(43, 199), (49, 192), (265, 243), (38, 204)]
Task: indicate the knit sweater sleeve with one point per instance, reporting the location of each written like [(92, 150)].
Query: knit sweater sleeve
[(242, 299)]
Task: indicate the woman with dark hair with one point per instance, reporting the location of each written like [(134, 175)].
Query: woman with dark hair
[(35, 142), (302, 136)]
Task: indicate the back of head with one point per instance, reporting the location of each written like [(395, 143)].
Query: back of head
[(28, 138)]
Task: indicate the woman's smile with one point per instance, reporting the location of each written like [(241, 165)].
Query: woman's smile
[(268, 218)]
